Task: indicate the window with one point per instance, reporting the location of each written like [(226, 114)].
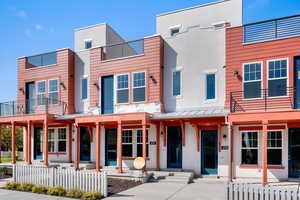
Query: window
[(174, 31), (88, 44), (210, 86), (122, 88), (57, 140), (249, 148), (62, 139), (274, 148), (139, 143), (53, 91), (127, 143), (277, 82), (139, 86), (252, 80), (51, 140), (41, 93), (177, 83), (84, 88)]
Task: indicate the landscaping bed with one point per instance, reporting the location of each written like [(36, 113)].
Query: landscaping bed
[(116, 185)]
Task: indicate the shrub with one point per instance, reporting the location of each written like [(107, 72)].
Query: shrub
[(25, 187), (91, 196), (12, 185), (40, 189), (56, 191), (75, 193)]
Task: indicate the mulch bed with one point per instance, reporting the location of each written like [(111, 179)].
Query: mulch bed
[(118, 185)]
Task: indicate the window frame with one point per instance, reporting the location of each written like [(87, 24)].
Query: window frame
[(172, 28), (81, 88), (86, 41), (62, 140), (49, 92), (141, 143), (127, 143), (287, 76), (257, 148), (206, 86), (43, 93), (145, 86), (117, 89), (261, 79), (281, 148), (56, 140), (52, 140), (174, 71)]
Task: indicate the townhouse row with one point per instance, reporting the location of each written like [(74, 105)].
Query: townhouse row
[(206, 93)]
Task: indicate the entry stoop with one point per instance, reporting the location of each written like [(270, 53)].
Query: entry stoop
[(173, 177)]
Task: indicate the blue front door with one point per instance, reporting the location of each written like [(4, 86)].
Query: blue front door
[(174, 147), (85, 144), (107, 94), (297, 81), (209, 152), (110, 147), (29, 98), (294, 150)]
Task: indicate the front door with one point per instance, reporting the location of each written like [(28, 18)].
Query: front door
[(294, 149), (209, 152), (38, 144), (85, 144), (107, 94), (297, 81), (111, 147), (29, 98), (174, 147)]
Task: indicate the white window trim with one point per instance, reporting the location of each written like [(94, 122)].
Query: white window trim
[(171, 28), (145, 86), (241, 147), (116, 88), (282, 131), (52, 140), (39, 93), (87, 40), (287, 76), (216, 88), (49, 92), (177, 96), (147, 142), (261, 79), (81, 94), (132, 143), (56, 139)]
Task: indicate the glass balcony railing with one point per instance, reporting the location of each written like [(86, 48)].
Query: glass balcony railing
[(41, 60)]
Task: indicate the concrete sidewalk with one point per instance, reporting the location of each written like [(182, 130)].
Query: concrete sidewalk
[(199, 190), (15, 195)]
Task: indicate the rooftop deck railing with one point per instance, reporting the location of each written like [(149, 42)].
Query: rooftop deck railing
[(126, 49), (41, 60), (33, 106), (262, 100), (272, 29)]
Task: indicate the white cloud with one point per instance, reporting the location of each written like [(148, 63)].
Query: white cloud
[(22, 14), (27, 32), (38, 27)]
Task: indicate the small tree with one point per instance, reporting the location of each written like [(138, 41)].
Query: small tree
[(5, 137)]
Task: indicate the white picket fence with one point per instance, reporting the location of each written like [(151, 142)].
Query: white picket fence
[(243, 191), (88, 181)]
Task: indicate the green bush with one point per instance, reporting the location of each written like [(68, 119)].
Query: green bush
[(91, 196), (40, 189), (56, 191), (75, 193), (12, 185), (25, 187)]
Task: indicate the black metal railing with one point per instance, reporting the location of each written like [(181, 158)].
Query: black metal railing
[(272, 29), (33, 106), (41, 60), (126, 49), (262, 99)]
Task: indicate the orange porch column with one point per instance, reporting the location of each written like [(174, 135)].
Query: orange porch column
[(29, 142), (219, 138), (13, 143), (230, 152), (77, 149), (119, 137), (70, 142), (157, 135), (264, 155), (183, 132), (145, 143), (0, 145), (98, 136), (46, 161)]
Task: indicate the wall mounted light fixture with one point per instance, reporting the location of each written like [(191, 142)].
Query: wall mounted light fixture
[(96, 85), (152, 78), (22, 90), (63, 85)]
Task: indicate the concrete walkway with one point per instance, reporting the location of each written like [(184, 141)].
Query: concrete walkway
[(15, 195), (199, 190)]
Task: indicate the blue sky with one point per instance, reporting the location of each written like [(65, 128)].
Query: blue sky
[(32, 26)]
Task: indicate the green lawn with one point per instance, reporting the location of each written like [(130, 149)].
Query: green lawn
[(6, 160)]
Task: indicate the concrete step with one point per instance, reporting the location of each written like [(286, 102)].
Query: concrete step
[(175, 177)]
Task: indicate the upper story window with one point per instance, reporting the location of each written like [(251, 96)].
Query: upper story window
[(122, 88), (139, 86), (252, 80), (274, 148), (41, 92), (53, 91), (139, 143), (127, 143), (177, 83), (249, 148), (41, 60), (88, 44), (84, 88), (174, 31), (210, 86), (277, 78)]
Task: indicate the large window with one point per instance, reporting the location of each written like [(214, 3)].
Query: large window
[(127, 143), (84, 88), (41, 93), (252, 80), (210, 86), (53, 91), (274, 148), (177, 83), (139, 143), (122, 89), (249, 148), (139, 86), (57, 140), (277, 74), (62, 140)]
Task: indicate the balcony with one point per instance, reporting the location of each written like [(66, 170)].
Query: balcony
[(32, 106), (272, 29), (263, 100), (122, 50), (41, 60)]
